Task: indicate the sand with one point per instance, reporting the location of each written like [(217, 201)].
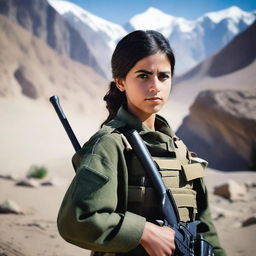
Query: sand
[(35, 231)]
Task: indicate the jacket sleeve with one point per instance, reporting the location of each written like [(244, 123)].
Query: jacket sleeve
[(90, 215), (206, 227)]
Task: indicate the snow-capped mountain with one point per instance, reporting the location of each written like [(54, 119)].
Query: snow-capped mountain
[(155, 19), (100, 35), (193, 41)]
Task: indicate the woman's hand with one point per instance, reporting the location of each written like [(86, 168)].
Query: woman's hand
[(158, 241)]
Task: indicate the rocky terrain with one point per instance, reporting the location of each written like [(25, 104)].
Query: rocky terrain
[(220, 120), (41, 19), (237, 62), (28, 212), (31, 72), (238, 54), (221, 128), (30, 68)]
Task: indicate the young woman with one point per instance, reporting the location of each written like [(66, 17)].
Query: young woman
[(110, 206)]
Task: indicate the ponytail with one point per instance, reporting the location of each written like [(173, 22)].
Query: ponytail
[(114, 99)]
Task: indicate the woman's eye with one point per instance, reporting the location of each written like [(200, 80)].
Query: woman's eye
[(143, 76), (163, 77)]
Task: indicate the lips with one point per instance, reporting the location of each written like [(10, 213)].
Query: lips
[(153, 99)]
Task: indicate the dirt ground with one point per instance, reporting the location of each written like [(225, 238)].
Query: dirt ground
[(34, 233)]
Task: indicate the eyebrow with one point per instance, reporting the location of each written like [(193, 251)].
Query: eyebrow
[(151, 73)]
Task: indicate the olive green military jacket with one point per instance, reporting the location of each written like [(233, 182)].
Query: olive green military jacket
[(94, 214)]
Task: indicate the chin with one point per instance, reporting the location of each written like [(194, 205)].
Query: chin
[(157, 108), (154, 110)]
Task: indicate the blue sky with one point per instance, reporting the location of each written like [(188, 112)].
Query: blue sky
[(120, 11)]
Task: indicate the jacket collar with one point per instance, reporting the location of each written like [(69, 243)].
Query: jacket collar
[(125, 118), (159, 141)]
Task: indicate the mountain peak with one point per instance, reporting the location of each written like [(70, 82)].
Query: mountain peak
[(80, 15), (153, 10), (233, 12), (64, 6), (153, 18)]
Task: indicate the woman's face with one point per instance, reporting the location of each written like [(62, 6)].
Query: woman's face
[(147, 85)]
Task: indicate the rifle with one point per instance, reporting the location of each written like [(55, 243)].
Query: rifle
[(56, 104), (188, 242)]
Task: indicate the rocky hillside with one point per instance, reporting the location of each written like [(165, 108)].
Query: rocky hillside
[(99, 34), (221, 128), (218, 101), (31, 72), (231, 68), (38, 17), (32, 69), (238, 54), (244, 47), (195, 40)]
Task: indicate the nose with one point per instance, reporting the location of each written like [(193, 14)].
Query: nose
[(154, 85)]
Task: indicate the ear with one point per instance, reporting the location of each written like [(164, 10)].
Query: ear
[(120, 84)]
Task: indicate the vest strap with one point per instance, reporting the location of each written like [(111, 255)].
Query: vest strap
[(183, 197), (167, 163), (171, 179), (193, 171), (199, 160), (181, 151)]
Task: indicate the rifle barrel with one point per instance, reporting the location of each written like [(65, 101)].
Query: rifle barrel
[(56, 104)]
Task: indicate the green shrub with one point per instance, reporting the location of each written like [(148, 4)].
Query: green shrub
[(37, 172)]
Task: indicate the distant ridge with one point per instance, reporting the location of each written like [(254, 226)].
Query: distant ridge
[(236, 75), (31, 69), (38, 17), (194, 40), (239, 53), (99, 35)]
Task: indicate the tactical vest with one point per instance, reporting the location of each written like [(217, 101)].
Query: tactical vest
[(178, 174)]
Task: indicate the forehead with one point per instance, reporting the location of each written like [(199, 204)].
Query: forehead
[(157, 61)]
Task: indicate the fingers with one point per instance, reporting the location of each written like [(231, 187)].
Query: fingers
[(158, 240)]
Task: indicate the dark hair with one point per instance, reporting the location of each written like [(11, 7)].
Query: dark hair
[(132, 48)]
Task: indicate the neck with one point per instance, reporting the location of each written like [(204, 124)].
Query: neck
[(150, 122), (146, 119)]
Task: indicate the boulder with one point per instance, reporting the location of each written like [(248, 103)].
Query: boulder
[(221, 128), (231, 190), (54, 181), (32, 183), (9, 176), (9, 206), (250, 184), (249, 221)]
